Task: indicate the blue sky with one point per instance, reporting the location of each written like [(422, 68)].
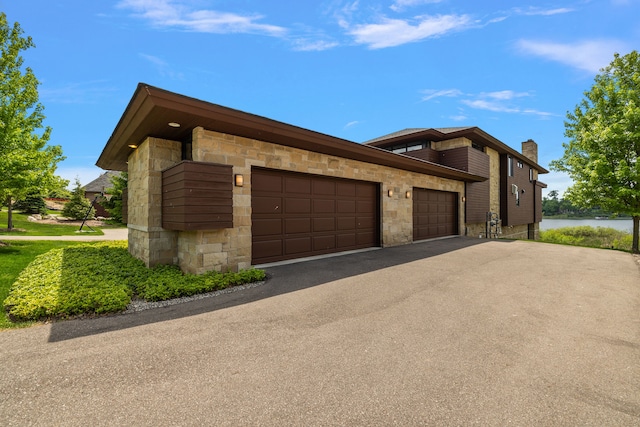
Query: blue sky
[(352, 69)]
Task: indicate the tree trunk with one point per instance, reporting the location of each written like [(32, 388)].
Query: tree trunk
[(9, 214), (634, 242)]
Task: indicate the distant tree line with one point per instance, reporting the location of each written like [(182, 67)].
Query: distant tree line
[(552, 205)]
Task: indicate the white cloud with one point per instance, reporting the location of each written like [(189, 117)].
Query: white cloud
[(170, 14), (89, 92), (395, 32), (535, 11), (588, 55), (399, 5), (306, 45), (433, 93), (163, 68), (502, 101), (558, 181)]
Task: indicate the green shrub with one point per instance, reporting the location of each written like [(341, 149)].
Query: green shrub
[(78, 205), (599, 237), (102, 278), (32, 204)]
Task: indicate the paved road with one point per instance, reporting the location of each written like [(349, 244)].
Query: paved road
[(451, 332), (109, 234)]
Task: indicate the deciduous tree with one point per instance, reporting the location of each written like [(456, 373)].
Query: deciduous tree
[(27, 163), (602, 155)]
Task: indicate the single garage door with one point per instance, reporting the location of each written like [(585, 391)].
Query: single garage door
[(296, 215), (435, 214)]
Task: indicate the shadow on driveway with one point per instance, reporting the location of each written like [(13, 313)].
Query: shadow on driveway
[(281, 280)]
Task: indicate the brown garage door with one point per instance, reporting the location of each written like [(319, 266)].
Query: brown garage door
[(296, 215), (435, 214)]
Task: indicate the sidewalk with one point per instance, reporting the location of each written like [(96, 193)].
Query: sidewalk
[(109, 234)]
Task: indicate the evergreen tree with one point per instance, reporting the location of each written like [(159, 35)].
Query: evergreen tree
[(78, 206)]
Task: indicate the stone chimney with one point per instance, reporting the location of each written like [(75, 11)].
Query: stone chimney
[(530, 150)]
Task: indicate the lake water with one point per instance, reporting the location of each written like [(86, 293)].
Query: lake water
[(618, 224)]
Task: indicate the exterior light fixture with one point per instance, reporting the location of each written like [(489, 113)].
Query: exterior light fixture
[(464, 199), (174, 124), (134, 146), (407, 194), (239, 180), (390, 193)]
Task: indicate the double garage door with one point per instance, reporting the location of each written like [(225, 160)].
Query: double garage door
[(435, 214), (297, 215)]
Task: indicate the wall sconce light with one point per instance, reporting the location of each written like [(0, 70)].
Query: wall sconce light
[(133, 146), (464, 199), (407, 194), (390, 193), (239, 180)]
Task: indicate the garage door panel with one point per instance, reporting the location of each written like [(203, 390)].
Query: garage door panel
[(435, 214), (297, 246), (266, 204), (324, 243), (346, 223), (297, 225), (267, 227), (324, 224), (271, 183), (364, 222), (346, 206), (311, 215), (297, 185), (297, 206), (346, 240), (324, 188), (346, 189), (324, 206), (271, 247)]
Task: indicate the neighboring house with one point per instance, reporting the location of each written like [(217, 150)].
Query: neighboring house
[(98, 187), (213, 188)]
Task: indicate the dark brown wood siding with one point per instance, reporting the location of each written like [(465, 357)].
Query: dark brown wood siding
[(538, 201), (197, 196), (427, 154), (296, 215), (477, 202), (520, 209), (467, 159), (435, 214)]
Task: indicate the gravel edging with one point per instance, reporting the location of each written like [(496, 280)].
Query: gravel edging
[(137, 305)]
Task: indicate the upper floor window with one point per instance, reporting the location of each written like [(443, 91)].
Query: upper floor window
[(510, 165), (409, 146), (520, 164)]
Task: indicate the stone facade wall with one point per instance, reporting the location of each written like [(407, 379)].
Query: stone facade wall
[(451, 143), (230, 249), (148, 241)]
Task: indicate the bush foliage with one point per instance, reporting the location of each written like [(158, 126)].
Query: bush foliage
[(102, 278), (599, 237), (32, 204)]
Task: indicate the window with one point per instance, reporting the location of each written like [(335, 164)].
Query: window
[(530, 174), (477, 146), (510, 165), (520, 164), (410, 146)]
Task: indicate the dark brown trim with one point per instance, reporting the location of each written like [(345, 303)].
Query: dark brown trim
[(474, 134), (151, 109)]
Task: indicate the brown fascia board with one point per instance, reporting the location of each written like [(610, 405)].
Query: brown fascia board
[(151, 109), (473, 133)]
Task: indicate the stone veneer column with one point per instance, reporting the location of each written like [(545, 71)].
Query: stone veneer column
[(148, 241)]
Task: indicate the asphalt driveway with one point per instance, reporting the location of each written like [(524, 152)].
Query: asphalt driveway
[(448, 332)]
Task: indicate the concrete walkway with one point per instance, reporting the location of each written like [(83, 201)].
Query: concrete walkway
[(109, 234), (445, 333)]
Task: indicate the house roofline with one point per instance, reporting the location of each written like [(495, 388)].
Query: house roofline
[(473, 133), (151, 109)]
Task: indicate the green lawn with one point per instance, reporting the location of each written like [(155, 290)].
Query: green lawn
[(23, 227), (14, 257)]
